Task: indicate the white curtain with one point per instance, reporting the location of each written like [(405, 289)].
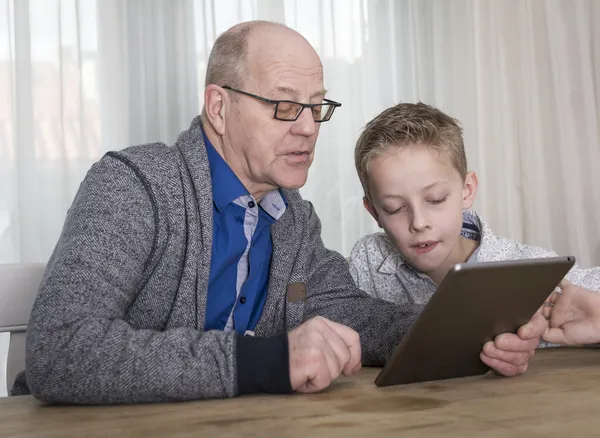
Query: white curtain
[(81, 77)]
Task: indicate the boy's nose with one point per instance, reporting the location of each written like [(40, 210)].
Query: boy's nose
[(419, 222)]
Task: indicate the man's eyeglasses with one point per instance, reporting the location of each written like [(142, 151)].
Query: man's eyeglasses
[(289, 111)]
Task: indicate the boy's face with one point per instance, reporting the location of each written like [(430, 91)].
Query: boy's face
[(418, 198)]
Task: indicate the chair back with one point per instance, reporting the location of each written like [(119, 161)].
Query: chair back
[(19, 285)]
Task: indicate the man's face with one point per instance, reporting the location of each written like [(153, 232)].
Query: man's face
[(418, 198), (274, 153)]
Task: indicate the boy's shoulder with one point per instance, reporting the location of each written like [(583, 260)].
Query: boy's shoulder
[(372, 249), (496, 248)]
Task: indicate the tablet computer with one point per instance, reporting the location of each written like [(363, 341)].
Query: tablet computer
[(473, 304)]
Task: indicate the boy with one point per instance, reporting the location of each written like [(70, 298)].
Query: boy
[(412, 166)]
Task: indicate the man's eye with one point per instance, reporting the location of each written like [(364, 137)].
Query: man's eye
[(288, 110), (285, 107)]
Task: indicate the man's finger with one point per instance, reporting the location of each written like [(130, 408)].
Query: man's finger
[(335, 346), (334, 362), (352, 341), (317, 381)]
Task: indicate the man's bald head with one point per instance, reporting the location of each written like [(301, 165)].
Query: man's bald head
[(228, 60), (264, 149)]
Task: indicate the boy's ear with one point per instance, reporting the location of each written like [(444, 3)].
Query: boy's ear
[(371, 209), (469, 190)]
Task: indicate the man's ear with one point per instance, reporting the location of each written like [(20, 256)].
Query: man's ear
[(215, 106), (469, 190), (371, 209)]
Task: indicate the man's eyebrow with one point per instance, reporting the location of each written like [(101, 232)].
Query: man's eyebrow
[(296, 93), (321, 93), (288, 90)]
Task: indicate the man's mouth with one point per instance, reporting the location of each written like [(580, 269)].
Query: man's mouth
[(298, 158)]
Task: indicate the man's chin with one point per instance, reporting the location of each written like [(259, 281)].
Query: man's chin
[(292, 182)]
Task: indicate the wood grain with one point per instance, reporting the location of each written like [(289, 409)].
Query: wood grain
[(559, 396)]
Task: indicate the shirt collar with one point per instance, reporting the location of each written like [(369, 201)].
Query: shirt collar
[(274, 203), (391, 264), (227, 187), (488, 241)]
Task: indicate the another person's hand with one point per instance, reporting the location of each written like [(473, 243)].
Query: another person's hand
[(320, 350), (509, 354), (574, 316)]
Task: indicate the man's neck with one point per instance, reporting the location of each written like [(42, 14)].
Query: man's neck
[(258, 191)]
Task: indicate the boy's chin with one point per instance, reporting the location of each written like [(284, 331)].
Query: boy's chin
[(424, 266)]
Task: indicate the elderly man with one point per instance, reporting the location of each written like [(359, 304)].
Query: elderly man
[(197, 271)]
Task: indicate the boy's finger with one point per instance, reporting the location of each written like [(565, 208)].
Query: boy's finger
[(534, 328)]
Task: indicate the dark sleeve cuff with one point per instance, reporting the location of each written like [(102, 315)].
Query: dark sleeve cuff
[(263, 365)]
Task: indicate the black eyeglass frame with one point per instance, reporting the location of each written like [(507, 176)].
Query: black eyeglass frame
[(331, 103)]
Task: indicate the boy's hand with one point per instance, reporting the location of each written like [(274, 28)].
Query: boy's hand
[(509, 354)]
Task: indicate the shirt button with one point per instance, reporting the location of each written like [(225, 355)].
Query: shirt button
[(251, 204), (242, 300)]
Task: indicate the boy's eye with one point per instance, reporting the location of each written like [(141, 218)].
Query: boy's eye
[(438, 200), (398, 210)]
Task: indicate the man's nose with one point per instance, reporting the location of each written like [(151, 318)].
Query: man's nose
[(305, 123)]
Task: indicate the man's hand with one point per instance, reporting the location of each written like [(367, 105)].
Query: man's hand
[(574, 316), (509, 354), (319, 351)]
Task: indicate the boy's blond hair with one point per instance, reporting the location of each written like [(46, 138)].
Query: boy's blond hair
[(409, 124)]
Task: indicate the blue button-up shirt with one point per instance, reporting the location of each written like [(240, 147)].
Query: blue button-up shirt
[(241, 249)]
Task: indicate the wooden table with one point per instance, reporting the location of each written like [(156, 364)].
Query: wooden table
[(559, 396)]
